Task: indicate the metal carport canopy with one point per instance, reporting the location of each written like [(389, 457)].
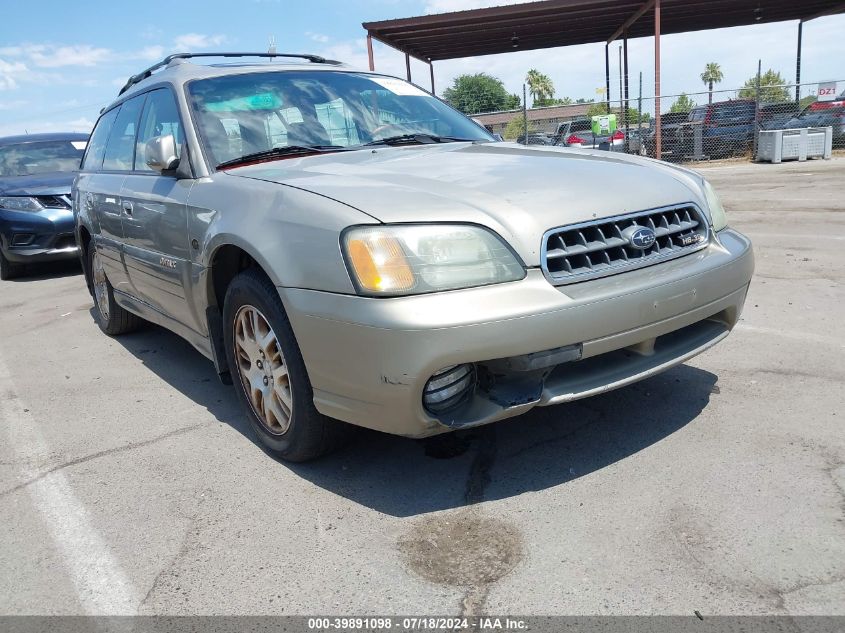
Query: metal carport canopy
[(551, 23)]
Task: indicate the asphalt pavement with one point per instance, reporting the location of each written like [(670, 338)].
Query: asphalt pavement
[(130, 484)]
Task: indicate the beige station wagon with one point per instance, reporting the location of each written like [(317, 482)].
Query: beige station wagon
[(346, 247)]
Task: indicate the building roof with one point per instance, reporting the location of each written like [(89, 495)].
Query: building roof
[(551, 23), (535, 114)]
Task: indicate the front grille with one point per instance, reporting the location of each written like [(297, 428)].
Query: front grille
[(55, 202), (604, 247)]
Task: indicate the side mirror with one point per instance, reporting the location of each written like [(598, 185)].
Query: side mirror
[(160, 153)]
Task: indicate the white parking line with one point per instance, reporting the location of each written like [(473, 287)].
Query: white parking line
[(102, 586)]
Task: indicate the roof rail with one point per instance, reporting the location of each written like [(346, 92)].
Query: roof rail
[(134, 79)]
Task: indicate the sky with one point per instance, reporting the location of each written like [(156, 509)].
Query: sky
[(60, 61)]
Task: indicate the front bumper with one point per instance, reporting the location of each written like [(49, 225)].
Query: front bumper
[(369, 359), (37, 237)]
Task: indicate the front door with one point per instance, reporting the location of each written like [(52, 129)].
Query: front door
[(155, 225)]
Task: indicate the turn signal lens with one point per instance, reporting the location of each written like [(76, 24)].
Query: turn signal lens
[(379, 263)]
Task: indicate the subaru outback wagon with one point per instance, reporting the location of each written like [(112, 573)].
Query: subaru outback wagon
[(347, 248)]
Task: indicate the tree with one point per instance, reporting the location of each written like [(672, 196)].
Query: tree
[(682, 104), (540, 86), (712, 75), (772, 88), (516, 128), (481, 92), (597, 109), (635, 117), (805, 101)]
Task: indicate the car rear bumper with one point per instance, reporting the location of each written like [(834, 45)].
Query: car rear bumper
[(370, 359), (35, 237)]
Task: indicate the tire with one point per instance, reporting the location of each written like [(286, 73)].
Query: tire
[(111, 318), (8, 270), (270, 377)]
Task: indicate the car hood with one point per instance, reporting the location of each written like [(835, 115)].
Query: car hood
[(519, 192), (50, 184)]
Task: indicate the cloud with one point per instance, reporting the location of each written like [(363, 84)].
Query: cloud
[(11, 73), (81, 55), (317, 37), (13, 105), (82, 124), (150, 53), (193, 41), (36, 125)]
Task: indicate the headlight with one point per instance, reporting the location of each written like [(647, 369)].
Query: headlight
[(406, 259), (717, 211), (20, 203)]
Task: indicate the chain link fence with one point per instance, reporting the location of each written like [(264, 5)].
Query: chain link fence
[(694, 126)]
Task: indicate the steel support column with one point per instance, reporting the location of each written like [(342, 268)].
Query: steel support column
[(798, 63), (625, 110), (431, 71), (370, 51), (408, 66), (607, 75), (658, 141)]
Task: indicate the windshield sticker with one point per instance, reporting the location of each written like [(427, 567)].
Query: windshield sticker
[(261, 101), (399, 87), (81, 145)]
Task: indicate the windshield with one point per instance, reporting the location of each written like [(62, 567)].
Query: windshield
[(238, 115), (40, 157)]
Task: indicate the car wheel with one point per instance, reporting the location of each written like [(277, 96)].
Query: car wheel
[(269, 373), (111, 318), (8, 270)]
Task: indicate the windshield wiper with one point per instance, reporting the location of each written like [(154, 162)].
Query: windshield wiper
[(289, 150), (419, 138)]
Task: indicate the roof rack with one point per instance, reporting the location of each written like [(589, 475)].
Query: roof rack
[(134, 79)]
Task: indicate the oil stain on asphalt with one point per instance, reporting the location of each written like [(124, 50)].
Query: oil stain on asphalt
[(466, 548)]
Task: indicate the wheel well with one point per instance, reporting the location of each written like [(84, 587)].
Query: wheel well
[(227, 262)]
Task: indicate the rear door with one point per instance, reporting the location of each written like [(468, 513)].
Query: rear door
[(99, 184), (155, 218)]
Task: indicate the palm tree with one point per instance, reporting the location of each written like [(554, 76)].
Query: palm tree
[(712, 75), (539, 85)]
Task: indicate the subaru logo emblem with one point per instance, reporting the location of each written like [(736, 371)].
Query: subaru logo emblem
[(640, 237)]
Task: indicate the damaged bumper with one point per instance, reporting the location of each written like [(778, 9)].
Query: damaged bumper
[(528, 342)]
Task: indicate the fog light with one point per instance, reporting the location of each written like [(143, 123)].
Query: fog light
[(22, 239), (448, 387)]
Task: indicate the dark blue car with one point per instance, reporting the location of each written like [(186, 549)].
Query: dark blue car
[(36, 221)]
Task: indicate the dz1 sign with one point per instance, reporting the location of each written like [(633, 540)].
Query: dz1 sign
[(827, 91)]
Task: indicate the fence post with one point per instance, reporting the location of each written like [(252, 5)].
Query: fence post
[(756, 111), (525, 114), (640, 116)]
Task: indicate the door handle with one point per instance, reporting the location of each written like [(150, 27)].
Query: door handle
[(127, 207)]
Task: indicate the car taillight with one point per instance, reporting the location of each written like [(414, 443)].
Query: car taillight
[(618, 136), (707, 116), (574, 140)]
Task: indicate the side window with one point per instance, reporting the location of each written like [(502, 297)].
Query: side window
[(97, 144), (161, 117), (120, 149)]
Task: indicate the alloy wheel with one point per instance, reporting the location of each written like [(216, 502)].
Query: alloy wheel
[(263, 370)]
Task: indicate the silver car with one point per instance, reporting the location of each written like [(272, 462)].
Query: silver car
[(347, 248)]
